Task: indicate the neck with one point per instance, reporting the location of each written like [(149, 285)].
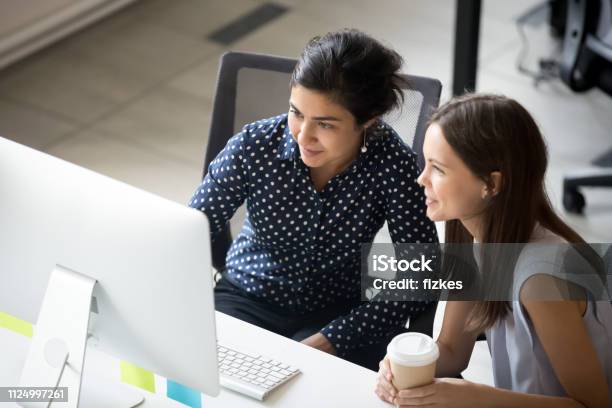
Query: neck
[(321, 175), (333, 169), (474, 226)]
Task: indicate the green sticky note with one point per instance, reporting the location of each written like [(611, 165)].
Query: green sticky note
[(138, 377), (14, 324)]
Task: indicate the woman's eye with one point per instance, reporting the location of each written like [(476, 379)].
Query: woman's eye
[(439, 170), (296, 113), (325, 125)]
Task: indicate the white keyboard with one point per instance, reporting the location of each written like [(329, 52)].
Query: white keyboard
[(251, 374)]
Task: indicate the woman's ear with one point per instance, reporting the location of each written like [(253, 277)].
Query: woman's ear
[(495, 184), (371, 122)]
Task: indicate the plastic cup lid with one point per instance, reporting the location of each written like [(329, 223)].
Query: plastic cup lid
[(413, 349)]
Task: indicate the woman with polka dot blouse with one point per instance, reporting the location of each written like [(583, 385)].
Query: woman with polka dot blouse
[(318, 182)]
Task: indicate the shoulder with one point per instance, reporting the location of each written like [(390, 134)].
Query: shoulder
[(546, 287), (542, 269), (391, 142), (264, 129), (542, 251), (545, 236), (392, 152), (254, 141), (546, 298), (260, 139)]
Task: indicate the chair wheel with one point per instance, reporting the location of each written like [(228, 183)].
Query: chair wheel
[(573, 201)]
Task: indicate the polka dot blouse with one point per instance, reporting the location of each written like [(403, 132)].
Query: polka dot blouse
[(299, 249)]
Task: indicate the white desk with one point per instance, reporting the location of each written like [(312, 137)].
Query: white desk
[(325, 380)]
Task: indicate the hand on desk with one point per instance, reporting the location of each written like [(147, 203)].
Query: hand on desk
[(320, 342)]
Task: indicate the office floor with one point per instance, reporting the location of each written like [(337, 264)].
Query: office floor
[(130, 97)]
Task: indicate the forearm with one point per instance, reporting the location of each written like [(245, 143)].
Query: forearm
[(320, 342), (449, 364), (501, 398), (362, 327)]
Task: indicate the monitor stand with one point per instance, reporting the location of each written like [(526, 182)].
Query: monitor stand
[(57, 350)]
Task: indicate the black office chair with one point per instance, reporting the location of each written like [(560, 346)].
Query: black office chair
[(587, 62), (255, 86)]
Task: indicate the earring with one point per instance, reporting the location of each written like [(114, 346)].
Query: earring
[(364, 148)]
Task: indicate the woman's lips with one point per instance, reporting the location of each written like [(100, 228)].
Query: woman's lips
[(309, 153), (429, 201)]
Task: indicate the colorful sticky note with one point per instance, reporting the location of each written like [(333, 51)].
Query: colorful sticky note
[(138, 377), (184, 395), (17, 325)]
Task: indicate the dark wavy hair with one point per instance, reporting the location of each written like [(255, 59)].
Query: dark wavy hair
[(355, 70)]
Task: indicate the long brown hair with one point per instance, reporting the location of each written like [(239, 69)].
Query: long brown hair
[(495, 133)]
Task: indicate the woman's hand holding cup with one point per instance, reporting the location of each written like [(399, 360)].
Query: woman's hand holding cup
[(384, 387), (410, 363)]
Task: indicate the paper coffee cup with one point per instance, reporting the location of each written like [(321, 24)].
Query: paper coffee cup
[(413, 359)]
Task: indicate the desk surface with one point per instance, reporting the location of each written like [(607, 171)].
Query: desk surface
[(325, 380)]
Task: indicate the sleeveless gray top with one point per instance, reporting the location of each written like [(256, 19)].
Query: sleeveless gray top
[(519, 360)]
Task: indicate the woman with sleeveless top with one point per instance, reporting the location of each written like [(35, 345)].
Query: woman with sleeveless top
[(484, 176)]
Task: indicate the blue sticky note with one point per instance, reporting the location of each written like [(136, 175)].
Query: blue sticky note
[(184, 395)]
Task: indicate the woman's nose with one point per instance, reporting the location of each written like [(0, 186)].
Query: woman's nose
[(306, 134), (421, 179)]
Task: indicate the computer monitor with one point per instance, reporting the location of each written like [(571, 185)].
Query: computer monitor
[(71, 241)]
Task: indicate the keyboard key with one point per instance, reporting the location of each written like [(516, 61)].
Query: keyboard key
[(285, 372)]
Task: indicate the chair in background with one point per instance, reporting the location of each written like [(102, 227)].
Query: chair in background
[(255, 86), (587, 62)]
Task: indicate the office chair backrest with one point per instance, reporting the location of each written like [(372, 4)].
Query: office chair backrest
[(586, 60), (255, 86)]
